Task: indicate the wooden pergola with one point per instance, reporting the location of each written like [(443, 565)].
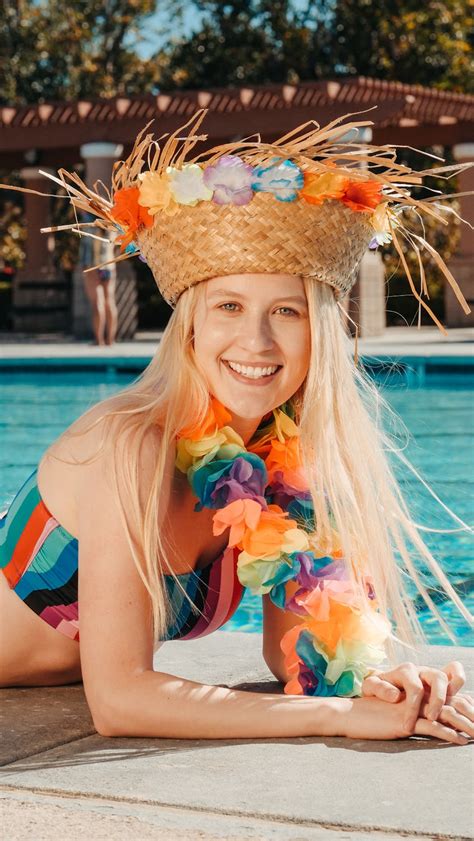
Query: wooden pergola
[(92, 133)]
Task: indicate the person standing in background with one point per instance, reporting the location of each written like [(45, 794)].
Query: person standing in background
[(100, 287)]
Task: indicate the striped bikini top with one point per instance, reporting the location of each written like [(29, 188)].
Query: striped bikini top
[(40, 558)]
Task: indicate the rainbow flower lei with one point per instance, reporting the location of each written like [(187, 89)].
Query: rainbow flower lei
[(261, 496)]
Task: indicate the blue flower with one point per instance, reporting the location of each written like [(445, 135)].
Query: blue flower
[(302, 511), (283, 179), (313, 675)]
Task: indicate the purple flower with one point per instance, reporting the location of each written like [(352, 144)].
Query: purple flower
[(312, 573), (230, 178), (244, 480), (220, 482)]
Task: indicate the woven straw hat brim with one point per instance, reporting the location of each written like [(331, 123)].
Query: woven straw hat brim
[(325, 241)]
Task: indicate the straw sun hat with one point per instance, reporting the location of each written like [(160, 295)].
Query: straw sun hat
[(308, 204)]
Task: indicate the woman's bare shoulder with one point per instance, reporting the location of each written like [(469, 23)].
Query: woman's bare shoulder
[(84, 451)]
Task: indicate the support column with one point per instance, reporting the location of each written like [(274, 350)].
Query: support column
[(99, 159), (40, 298), (462, 263), (366, 302)]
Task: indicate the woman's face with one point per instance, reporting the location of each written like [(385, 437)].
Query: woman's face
[(252, 340)]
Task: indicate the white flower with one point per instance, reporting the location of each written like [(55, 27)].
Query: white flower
[(187, 185)]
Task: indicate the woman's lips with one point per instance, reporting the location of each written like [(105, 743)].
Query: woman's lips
[(250, 380)]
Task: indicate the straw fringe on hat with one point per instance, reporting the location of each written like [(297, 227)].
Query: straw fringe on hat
[(286, 222)]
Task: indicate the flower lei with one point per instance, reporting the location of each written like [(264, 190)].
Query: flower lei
[(232, 181), (261, 496)]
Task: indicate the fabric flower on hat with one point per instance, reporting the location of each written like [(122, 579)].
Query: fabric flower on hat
[(128, 213), (380, 221), (155, 194), (318, 188), (283, 179), (362, 195), (230, 178), (187, 184)]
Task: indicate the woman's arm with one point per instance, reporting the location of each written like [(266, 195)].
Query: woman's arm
[(126, 697)]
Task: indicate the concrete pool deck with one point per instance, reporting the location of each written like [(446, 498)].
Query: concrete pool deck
[(60, 779), (407, 342)]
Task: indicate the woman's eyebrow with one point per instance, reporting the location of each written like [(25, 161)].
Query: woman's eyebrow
[(231, 294)]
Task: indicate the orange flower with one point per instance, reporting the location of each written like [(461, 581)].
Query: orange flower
[(318, 188), (129, 214), (284, 456), (217, 417), (286, 459), (362, 195), (239, 516), (339, 625), (267, 538)]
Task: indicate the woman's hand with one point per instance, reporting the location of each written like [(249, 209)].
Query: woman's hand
[(370, 718), (427, 690)]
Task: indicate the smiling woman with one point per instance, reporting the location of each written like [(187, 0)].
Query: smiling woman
[(252, 339), (250, 453)]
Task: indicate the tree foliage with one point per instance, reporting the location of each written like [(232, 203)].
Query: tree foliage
[(262, 41), (406, 41), (51, 50), (252, 42)]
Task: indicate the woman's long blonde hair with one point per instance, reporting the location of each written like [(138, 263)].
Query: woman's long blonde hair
[(345, 449)]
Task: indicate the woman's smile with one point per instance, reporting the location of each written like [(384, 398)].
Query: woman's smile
[(259, 375)]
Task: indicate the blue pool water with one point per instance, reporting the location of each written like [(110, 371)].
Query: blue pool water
[(35, 407)]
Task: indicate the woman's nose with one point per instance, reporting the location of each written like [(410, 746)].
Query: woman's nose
[(256, 334)]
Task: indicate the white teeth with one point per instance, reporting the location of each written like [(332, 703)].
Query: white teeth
[(252, 373)]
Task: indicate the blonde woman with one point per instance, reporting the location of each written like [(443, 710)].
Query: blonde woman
[(249, 453)]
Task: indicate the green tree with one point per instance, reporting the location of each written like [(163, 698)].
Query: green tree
[(51, 50), (249, 42), (263, 41), (407, 41)]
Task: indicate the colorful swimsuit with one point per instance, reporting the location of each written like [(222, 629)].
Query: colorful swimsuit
[(39, 559)]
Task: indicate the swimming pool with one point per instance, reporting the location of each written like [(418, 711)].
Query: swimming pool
[(438, 410)]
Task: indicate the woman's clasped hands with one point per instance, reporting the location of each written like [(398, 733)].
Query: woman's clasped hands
[(433, 704)]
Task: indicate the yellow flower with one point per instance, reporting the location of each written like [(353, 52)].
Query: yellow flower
[(295, 540), (284, 426), (226, 443), (155, 194), (317, 188), (380, 220)]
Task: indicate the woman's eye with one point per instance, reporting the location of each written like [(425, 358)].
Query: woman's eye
[(288, 310), (228, 304)]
